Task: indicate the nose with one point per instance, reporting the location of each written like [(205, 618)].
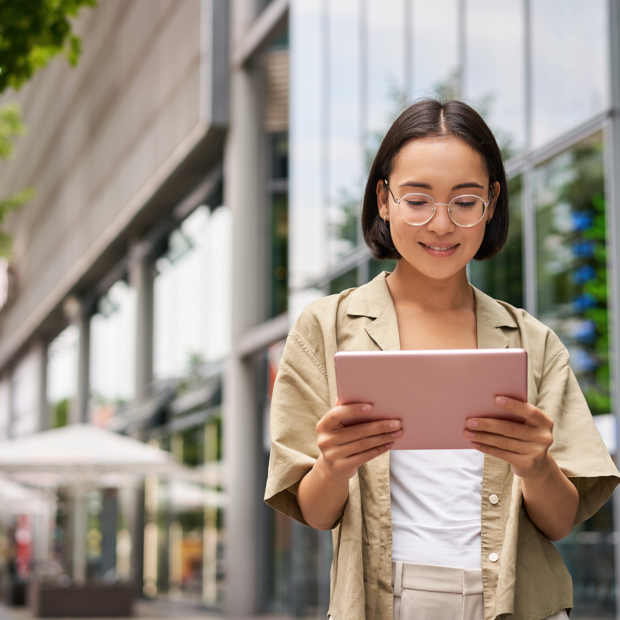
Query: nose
[(440, 223)]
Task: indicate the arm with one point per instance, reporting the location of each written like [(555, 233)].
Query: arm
[(323, 491), (549, 496)]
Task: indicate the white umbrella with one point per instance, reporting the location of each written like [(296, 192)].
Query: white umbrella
[(82, 452), (189, 496), (18, 499), (82, 456)]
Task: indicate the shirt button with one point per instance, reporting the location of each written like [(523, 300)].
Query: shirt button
[(494, 499), (493, 557)]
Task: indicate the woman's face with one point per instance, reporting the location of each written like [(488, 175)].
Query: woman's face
[(442, 168)]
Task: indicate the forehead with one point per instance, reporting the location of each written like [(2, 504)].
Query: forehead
[(445, 156)]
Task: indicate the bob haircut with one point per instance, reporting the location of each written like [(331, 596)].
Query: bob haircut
[(429, 118)]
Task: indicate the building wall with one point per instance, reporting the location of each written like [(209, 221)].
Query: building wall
[(100, 138)]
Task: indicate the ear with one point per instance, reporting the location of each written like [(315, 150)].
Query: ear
[(495, 190), (382, 199)]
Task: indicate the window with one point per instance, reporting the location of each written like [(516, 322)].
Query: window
[(112, 352), (192, 295), (501, 277), (571, 262)]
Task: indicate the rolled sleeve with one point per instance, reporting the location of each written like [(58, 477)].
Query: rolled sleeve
[(577, 445), (300, 399)]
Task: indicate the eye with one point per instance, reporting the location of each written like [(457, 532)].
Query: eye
[(467, 203), (415, 202)]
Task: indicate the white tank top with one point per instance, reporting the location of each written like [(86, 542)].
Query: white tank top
[(436, 497)]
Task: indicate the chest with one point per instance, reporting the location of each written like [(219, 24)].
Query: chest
[(420, 330)]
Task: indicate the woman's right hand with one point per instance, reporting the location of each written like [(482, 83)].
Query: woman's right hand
[(345, 448)]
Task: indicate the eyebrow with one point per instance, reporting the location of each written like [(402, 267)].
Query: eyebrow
[(427, 186)]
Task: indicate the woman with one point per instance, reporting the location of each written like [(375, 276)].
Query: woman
[(440, 534)]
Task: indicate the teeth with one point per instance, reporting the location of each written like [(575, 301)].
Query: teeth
[(439, 249)]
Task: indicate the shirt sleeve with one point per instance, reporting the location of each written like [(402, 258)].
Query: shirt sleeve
[(300, 399), (577, 445)]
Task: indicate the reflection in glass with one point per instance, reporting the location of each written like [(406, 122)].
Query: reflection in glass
[(307, 254), (344, 114), (569, 64), (501, 277), (375, 267), (435, 49), (571, 263), (493, 81), (278, 222), (62, 373), (189, 519), (343, 282), (192, 295), (385, 57), (112, 352)]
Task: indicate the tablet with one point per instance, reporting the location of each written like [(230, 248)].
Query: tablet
[(432, 392)]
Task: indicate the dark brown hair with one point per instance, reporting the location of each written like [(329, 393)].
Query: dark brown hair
[(428, 118)]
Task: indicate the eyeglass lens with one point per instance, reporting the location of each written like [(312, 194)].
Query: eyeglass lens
[(417, 209)]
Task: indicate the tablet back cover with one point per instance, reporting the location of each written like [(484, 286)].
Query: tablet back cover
[(432, 392)]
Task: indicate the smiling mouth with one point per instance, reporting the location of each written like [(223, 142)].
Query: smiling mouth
[(438, 249)]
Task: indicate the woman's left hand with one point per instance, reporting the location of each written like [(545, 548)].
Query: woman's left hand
[(524, 445)]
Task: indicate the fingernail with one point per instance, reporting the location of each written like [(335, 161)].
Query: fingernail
[(394, 424), (500, 400), (469, 434), (396, 434), (367, 408), (475, 445), (472, 423)]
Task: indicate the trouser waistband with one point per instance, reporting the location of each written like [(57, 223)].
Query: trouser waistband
[(435, 578)]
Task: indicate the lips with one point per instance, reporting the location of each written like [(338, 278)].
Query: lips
[(438, 248)]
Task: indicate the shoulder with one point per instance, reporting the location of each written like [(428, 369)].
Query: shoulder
[(320, 317)]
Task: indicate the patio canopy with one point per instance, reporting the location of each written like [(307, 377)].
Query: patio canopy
[(84, 453)]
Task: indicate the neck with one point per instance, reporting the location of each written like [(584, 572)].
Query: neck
[(410, 287)]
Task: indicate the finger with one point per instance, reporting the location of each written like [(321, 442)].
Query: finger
[(517, 430), (338, 417), (504, 455), (367, 443), (499, 441), (533, 416), (360, 431), (363, 457)]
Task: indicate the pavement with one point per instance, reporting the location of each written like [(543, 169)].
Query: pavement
[(145, 610)]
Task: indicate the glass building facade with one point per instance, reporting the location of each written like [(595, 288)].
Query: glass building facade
[(179, 331), (538, 72)]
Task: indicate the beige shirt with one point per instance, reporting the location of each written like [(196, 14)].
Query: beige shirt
[(536, 586)]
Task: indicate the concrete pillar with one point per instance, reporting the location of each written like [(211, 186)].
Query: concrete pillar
[(83, 387), (78, 534), (244, 194), (43, 405), (141, 278), (80, 314)]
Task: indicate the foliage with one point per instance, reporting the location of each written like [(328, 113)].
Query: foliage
[(60, 414), (32, 33), (11, 128)]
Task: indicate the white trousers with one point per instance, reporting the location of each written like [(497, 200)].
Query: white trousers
[(423, 592)]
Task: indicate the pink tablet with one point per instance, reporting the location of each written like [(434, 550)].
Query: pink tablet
[(432, 392)]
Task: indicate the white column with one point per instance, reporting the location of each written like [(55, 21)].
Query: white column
[(141, 279), (612, 190), (79, 536), (244, 191)]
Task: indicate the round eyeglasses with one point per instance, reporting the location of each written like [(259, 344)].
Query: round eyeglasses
[(418, 209)]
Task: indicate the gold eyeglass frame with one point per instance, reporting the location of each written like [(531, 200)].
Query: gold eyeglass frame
[(447, 204)]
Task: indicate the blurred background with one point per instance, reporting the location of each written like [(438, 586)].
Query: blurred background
[(195, 180)]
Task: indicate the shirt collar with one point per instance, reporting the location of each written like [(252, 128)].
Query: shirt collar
[(375, 301)]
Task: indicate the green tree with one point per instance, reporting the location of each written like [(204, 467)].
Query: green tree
[(32, 32)]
